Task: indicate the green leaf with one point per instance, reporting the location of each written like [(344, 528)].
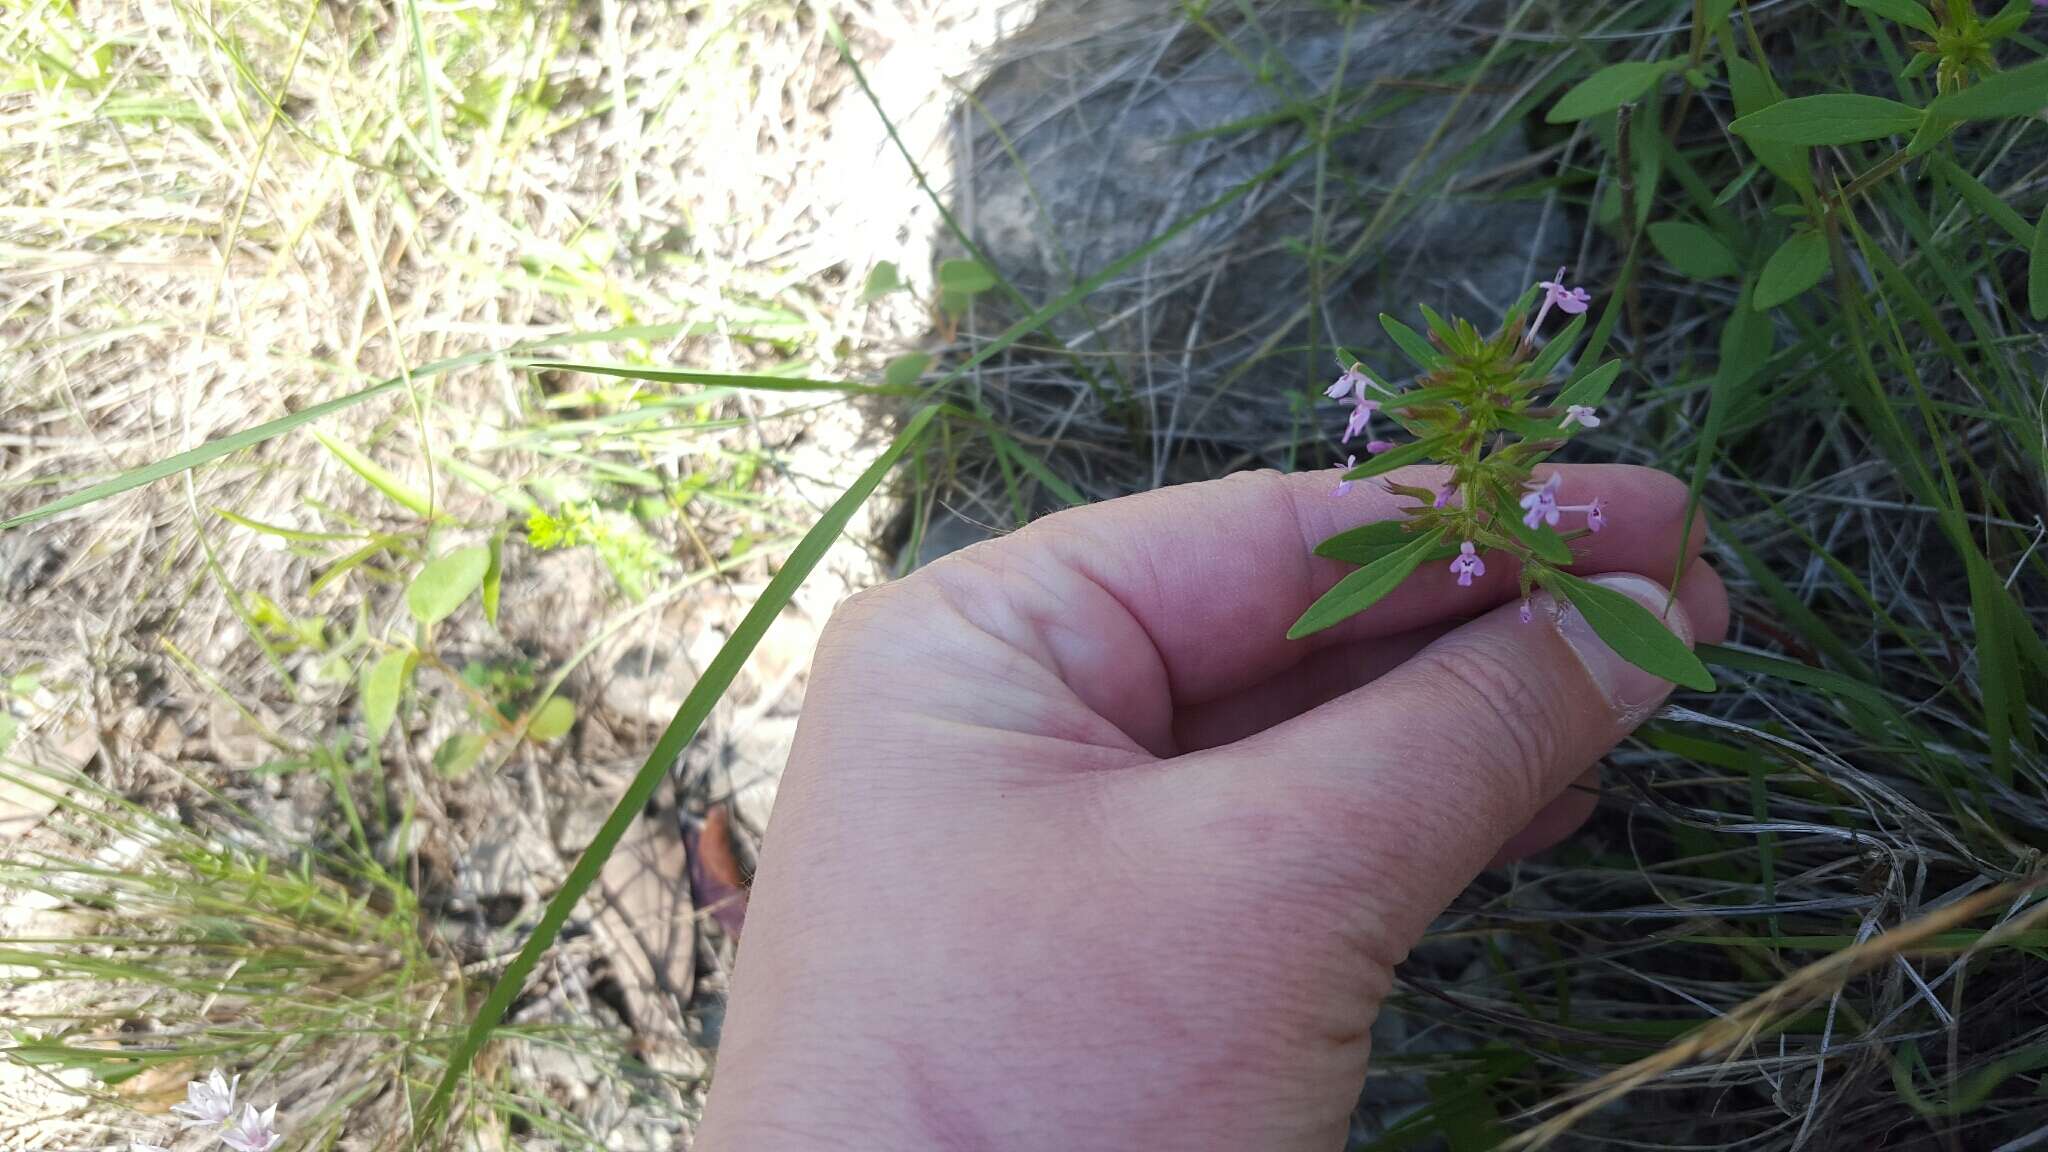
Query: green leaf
[(458, 754), (753, 380), (1798, 264), (1554, 352), (494, 575), (2037, 271), (906, 370), (1751, 87), (1746, 338), (881, 281), (689, 717), (1412, 343), (383, 683), (2018, 92), (1833, 118), (1419, 397), (1392, 458), (1907, 12), (375, 474), (2009, 19), (1530, 428), (1367, 542), (552, 720), (965, 277), (1542, 539), (1610, 88), (1693, 250), (1363, 588), (1635, 634), (1985, 201), (446, 582), (1830, 682), (1589, 389)]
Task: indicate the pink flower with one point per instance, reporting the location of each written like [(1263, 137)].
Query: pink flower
[(1350, 389), (1352, 383), (1345, 486), (1571, 301), (1467, 565), (1378, 446), (1360, 420), (1444, 494), (1596, 514), (1579, 414), (255, 1132), (208, 1101), (1527, 615), (1540, 504)]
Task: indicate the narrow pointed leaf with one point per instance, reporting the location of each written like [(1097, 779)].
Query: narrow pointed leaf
[(376, 475), (1911, 13), (1364, 588), (1635, 634), (1542, 539), (1589, 389), (1397, 457), (1412, 343), (1367, 542), (2037, 271), (1554, 352), (2014, 92), (689, 717), (1833, 118), (494, 576)]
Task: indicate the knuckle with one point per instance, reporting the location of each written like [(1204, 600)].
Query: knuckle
[(1509, 738)]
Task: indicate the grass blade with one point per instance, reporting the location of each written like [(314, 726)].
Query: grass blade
[(681, 729)]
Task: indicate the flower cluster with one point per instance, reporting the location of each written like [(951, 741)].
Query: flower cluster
[(1476, 405), (210, 1103)]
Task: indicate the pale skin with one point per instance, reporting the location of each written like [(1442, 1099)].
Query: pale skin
[(1076, 850)]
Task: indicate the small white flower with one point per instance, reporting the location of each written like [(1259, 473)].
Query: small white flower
[(254, 1133), (1580, 414), (208, 1101)]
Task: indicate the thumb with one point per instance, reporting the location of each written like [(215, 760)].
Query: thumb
[(1423, 774)]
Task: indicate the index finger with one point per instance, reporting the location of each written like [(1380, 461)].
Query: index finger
[(1214, 573)]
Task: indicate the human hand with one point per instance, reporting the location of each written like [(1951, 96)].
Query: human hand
[(1075, 850)]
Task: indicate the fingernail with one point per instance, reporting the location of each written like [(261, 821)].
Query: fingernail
[(1629, 689)]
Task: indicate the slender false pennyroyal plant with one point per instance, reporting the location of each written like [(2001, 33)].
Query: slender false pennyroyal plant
[(1478, 406)]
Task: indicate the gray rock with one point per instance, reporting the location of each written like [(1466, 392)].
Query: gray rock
[(1120, 119)]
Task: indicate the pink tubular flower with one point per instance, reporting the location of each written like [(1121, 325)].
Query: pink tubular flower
[(1596, 513), (1443, 496), (1352, 383), (1344, 486), (1571, 301), (1580, 414), (1378, 446), (1540, 504), (255, 1132), (1527, 614), (1467, 565), (208, 1101), (1360, 420)]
